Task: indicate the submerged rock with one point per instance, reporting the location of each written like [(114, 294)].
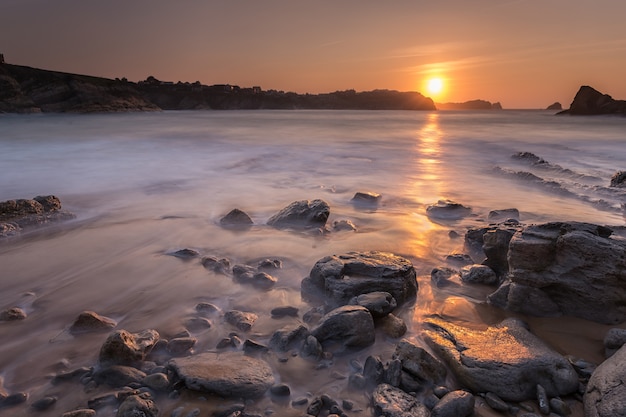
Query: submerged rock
[(447, 210), (235, 218), (342, 277), (352, 326), (507, 359), (366, 198), (606, 391), (301, 214), (565, 268), (228, 374)]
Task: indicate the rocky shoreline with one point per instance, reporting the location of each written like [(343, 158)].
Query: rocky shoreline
[(355, 299)]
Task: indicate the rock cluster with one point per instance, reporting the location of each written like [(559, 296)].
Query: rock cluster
[(16, 215)]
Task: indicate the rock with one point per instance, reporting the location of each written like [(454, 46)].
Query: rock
[(373, 370), (441, 276), (454, 404), (157, 381), (560, 407), (613, 340), (606, 391), (503, 215), (391, 325), (14, 399), (342, 277), (221, 266), (419, 363), (352, 326), (186, 253), (138, 406), (378, 303), (252, 347), (493, 243), (125, 348), (243, 273), (478, 274), (496, 402), (589, 101), (393, 373), (542, 400), (12, 314), (207, 308), (44, 403), (22, 213), (287, 311), (89, 321), (555, 106), (389, 401), (236, 218), (228, 374), (507, 359), (311, 348), (284, 338), (83, 412), (619, 179), (459, 259), (198, 324), (577, 267), (301, 214), (366, 198), (263, 280), (344, 225), (240, 319), (447, 210), (180, 345), (280, 390), (9, 229), (270, 264), (119, 375)]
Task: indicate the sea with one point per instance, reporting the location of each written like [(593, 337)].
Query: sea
[(145, 185)]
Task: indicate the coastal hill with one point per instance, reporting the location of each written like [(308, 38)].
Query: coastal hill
[(470, 105), (589, 101), (30, 90)]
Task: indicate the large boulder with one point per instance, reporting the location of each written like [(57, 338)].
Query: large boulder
[(506, 360), (352, 326), (342, 277), (229, 374), (574, 269), (606, 391), (301, 214)]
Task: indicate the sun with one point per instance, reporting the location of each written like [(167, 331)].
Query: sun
[(435, 86)]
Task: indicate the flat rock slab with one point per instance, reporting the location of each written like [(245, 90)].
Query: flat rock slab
[(342, 277), (229, 374), (507, 359), (606, 390)]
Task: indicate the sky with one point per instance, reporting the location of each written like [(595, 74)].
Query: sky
[(521, 53)]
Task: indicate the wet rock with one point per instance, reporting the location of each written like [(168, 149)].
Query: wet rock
[(186, 253), (207, 308), (459, 259), (373, 370), (311, 348), (506, 359), (157, 381), (220, 266), (280, 390), (366, 198), (235, 218), (378, 303), (14, 399), (270, 264), (240, 319), (560, 407), (263, 280), (344, 226), (198, 324), (613, 340), (391, 325), (89, 321), (576, 266), (252, 347), (138, 405), (454, 404), (119, 375), (342, 277), (618, 179), (102, 401), (125, 348), (493, 243), (40, 210), (496, 216), (44, 403), (286, 337), (542, 400), (606, 391), (419, 363), (83, 412), (447, 210), (181, 345), (287, 311), (301, 214), (389, 401), (478, 274), (496, 402), (70, 375), (352, 326), (228, 374), (441, 276), (12, 314), (9, 229), (243, 273)]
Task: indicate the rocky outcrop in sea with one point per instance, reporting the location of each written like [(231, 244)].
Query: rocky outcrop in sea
[(589, 101)]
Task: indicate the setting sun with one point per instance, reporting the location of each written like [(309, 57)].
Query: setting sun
[(434, 86)]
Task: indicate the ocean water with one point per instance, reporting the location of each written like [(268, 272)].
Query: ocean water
[(144, 185)]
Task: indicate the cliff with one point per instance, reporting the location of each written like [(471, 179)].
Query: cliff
[(589, 101), (470, 105), (30, 90)]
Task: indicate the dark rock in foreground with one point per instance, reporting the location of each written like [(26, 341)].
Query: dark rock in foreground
[(389, 401), (589, 101), (606, 391), (353, 326), (229, 374), (342, 277), (571, 268), (506, 360), (301, 214)]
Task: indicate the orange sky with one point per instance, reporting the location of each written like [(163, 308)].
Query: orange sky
[(523, 53)]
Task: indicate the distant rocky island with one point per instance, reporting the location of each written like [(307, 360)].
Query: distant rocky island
[(470, 105), (31, 90), (589, 101)]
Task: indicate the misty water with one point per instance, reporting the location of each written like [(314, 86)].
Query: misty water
[(148, 184)]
